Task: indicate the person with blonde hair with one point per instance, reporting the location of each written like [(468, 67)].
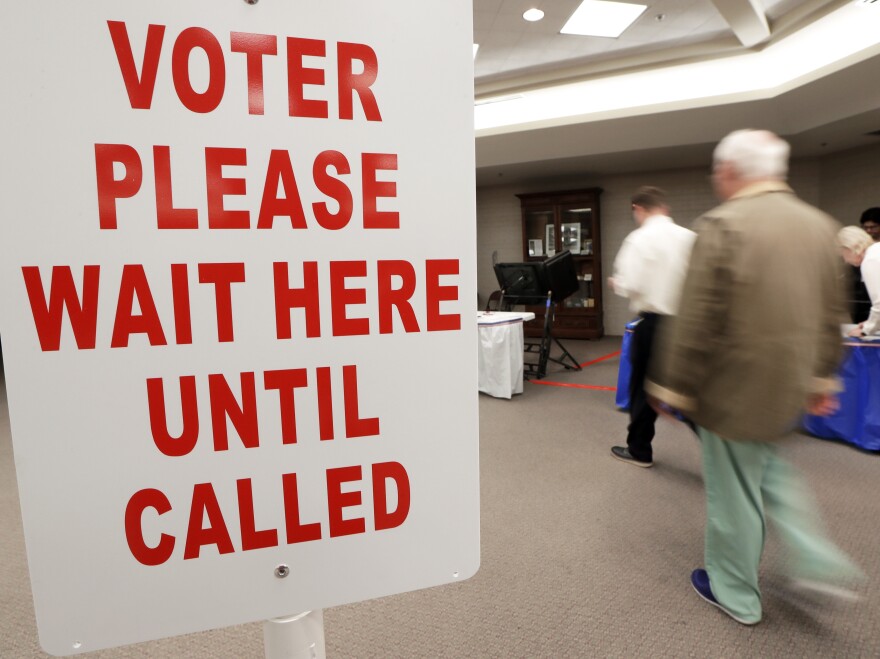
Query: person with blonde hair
[(858, 249)]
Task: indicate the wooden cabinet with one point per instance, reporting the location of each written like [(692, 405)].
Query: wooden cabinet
[(556, 221)]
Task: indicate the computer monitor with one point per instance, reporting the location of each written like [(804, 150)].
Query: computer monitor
[(522, 283), (561, 275), (528, 283)]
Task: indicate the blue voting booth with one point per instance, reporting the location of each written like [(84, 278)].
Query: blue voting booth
[(857, 421)]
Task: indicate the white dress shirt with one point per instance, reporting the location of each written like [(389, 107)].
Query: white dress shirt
[(651, 265), (871, 276)]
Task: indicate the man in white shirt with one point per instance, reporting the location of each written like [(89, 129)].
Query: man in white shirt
[(649, 270)]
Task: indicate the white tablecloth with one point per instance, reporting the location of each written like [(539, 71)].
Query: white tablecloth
[(501, 352)]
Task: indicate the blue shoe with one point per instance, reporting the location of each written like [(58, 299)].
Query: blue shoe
[(700, 582)]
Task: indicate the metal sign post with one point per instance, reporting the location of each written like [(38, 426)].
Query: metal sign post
[(295, 637)]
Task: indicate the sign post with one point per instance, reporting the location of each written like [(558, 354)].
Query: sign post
[(237, 289), (295, 637)]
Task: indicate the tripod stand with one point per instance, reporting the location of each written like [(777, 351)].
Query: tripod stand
[(541, 282), (538, 370)]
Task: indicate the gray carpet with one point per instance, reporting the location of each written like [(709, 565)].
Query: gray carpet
[(582, 556)]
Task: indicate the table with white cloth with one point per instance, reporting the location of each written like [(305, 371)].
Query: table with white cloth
[(501, 352)]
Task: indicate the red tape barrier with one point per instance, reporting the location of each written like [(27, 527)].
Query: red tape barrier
[(581, 386), (600, 359)]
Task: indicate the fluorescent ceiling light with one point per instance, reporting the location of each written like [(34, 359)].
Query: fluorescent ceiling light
[(600, 18), (533, 14), (476, 48)]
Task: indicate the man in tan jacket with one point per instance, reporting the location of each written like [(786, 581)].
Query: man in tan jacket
[(757, 340)]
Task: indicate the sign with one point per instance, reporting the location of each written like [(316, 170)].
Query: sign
[(237, 294)]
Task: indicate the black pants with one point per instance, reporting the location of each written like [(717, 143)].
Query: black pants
[(641, 415)]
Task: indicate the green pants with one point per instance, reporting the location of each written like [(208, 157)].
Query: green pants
[(746, 483)]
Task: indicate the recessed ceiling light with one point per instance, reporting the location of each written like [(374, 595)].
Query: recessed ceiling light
[(476, 48), (533, 14), (601, 18)]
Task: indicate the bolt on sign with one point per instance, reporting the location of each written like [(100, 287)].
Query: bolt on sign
[(237, 288)]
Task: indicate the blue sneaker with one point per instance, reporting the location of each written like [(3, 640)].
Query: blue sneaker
[(700, 582)]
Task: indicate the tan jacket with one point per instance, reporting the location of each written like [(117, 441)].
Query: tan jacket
[(759, 324)]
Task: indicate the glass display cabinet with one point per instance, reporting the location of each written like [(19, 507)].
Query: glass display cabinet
[(556, 221)]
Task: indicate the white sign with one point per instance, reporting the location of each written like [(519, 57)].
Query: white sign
[(237, 297)]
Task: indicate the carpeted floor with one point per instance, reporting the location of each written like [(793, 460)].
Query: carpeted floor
[(582, 556)]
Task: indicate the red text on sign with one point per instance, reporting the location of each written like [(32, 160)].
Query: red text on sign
[(297, 294), (331, 174), (48, 308), (357, 69), (226, 408), (396, 285), (208, 525)]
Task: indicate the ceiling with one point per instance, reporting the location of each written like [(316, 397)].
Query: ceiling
[(830, 110), (511, 46)]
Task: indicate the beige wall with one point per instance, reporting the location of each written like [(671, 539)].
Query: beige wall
[(842, 184), (850, 183)]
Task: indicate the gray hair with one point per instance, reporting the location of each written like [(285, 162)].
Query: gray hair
[(754, 154), (855, 239)]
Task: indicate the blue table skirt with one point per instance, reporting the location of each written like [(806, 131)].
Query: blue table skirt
[(858, 419)]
